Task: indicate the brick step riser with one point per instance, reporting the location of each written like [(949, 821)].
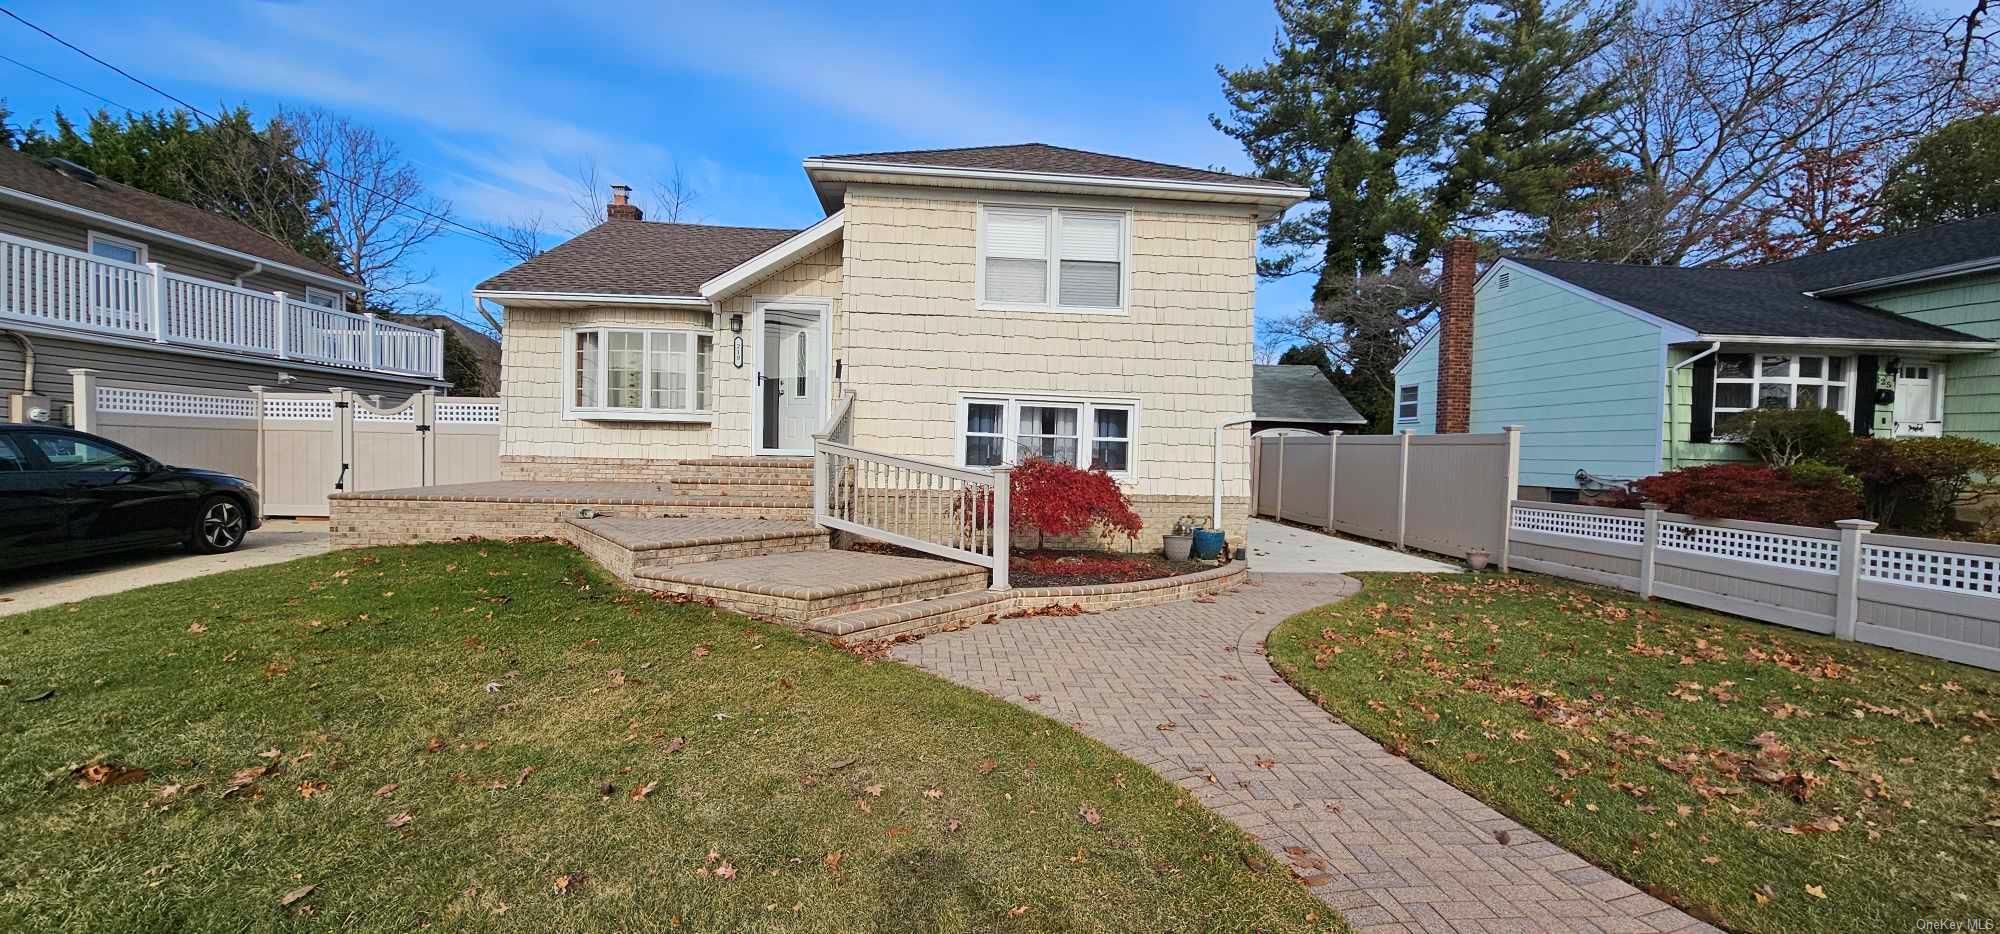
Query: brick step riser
[(732, 487), (655, 559), (796, 612), (745, 463)]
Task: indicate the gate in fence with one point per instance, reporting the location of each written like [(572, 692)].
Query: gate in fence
[(299, 447), (1441, 493)]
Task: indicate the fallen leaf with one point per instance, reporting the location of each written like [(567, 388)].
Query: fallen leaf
[(701, 651), (894, 832), (294, 896), (386, 790), (1816, 891), (725, 871), (1017, 911), (1090, 815), (874, 791), (567, 881), (676, 744), (400, 820), (639, 792), (522, 778), (106, 773), (38, 698), (198, 629), (862, 803), (311, 788), (832, 860), (952, 825), (933, 792)]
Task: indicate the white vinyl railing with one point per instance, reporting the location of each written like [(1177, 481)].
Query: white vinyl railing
[(952, 513), (45, 284)]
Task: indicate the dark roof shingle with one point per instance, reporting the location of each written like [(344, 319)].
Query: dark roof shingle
[(1764, 302), (27, 174), (639, 258), (1298, 393), (1054, 160), (1896, 255)]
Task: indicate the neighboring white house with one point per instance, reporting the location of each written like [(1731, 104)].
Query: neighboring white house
[(978, 304)]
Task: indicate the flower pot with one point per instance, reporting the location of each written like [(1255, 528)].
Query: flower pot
[(1177, 547), (1207, 544), (1477, 558)]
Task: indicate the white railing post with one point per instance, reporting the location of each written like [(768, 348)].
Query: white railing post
[(1278, 508), (1332, 468), (1003, 494), (437, 355), (1507, 494), (156, 296), (83, 399), (373, 351), (1403, 486), (1846, 601), (282, 326), (822, 477), (1650, 549)]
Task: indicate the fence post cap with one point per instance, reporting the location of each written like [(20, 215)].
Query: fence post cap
[(1336, 433), (1651, 506), (81, 371), (256, 389), (1002, 469), (1510, 428), (1862, 525)]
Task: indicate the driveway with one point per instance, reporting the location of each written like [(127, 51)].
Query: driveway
[(1285, 549), (31, 589), (1184, 689)]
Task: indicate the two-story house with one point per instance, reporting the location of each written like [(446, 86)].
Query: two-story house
[(144, 289), (976, 306)]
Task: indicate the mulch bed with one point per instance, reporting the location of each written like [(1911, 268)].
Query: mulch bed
[(1051, 568)]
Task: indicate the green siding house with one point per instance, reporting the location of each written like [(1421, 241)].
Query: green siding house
[(1617, 372)]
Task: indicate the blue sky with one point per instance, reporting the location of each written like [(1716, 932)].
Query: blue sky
[(498, 104)]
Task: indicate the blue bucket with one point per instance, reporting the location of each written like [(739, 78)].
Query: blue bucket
[(1207, 544)]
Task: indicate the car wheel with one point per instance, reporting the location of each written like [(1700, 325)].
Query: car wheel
[(219, 526)]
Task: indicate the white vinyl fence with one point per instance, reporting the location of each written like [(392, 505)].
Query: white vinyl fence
[(1922, 595), (298, 446), (1442, 493)]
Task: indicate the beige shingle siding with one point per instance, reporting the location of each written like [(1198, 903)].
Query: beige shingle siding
[(914, 340)]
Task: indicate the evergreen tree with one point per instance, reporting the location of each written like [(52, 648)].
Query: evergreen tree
[(1952, 174)]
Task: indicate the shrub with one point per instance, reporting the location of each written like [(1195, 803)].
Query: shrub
[(1053, 498), (1756, 492), (1783, 437), (1918, 483)]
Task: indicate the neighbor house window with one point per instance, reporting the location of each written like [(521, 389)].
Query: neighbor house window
[(116, 248), (322, 298), (995, 431), (1745, 381), (1052, 258), (632, 373), (1406, 403)]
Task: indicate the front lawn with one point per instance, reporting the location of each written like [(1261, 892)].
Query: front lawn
[(1762, 778), (493, 737)]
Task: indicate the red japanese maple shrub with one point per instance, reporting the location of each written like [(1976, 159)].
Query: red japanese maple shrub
[(1053, 498), (1754, 492)]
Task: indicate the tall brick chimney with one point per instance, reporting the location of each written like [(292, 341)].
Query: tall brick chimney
[(621, 207), (1454, 383)]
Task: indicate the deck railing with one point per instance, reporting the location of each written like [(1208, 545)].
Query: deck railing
[(49, 285), (945, 511)]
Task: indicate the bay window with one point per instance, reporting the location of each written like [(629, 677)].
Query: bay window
[(631, 373), (995, 431), (1745, 381), (1052, 258)]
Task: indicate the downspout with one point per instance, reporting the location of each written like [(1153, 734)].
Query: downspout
[(1673, 447), (255, 269), (27, 361), (1215, 513)]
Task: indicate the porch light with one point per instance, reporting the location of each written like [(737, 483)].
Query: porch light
[(735, 324)]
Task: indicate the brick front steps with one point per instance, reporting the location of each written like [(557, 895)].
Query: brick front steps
[(529, 509), (626, 546), (802, 586), (972, 607)]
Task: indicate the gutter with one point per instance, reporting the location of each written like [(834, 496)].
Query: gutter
[(1673, 459), (255, 269), (1911, 278), (592, 298)]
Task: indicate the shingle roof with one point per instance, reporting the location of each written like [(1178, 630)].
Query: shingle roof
[(1054, 160), (1764, 301), (27, 174), (639, 258), (1298, 393), (1900, 254)]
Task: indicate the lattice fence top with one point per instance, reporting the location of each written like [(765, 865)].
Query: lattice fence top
[(363, 413), (182, 404), (478, 413), (1581, 524), (1791, 551), (1936, 570), (298, 408)]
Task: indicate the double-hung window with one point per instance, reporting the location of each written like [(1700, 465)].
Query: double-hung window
[(1745, 381), (629, 373), (1058, 259), (1406, 403), (995, 431)]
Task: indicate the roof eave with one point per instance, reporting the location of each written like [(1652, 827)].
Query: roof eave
[(147, 230), (525, 296), (1274, 196), (750, 271), (1936, 346), (1969, 267)]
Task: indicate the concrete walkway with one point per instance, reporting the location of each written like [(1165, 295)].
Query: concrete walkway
[(1184, 689), (1276, 548), (50, 585)]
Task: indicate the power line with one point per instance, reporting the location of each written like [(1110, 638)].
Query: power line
[(440, 218), (79, 90)]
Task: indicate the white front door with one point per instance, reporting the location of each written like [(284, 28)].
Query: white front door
[(791, 382), (1918, 413)]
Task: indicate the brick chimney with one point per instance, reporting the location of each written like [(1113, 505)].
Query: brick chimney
[(621, 207), (1454, 383)]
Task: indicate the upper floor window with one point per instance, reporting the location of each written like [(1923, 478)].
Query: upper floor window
[(116, 248), (1052, 258), (1406, 403), (323, 298), (631, 373)]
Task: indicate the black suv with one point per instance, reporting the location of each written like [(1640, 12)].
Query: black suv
[(66, 494)]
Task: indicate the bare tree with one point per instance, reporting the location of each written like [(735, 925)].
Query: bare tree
[(1725, 99), (674, 197), (1970, 35), (519, 239), (379, 214)]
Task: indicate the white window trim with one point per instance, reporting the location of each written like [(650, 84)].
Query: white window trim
[(1717, 411), (339, 299), (1053, 305), (93, 238), (1010, 426), (1418, 412), (573, 412)]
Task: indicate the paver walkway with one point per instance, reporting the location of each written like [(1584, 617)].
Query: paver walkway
[(1407, 851), (1277, 548)]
